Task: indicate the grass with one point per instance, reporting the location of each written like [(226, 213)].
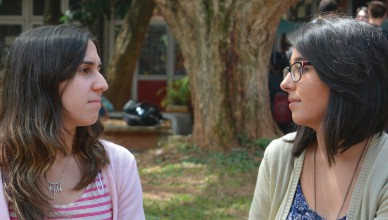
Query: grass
[(182, 182)]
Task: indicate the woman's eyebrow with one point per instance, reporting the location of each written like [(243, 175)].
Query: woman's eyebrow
[(91, 63), (300, 58)]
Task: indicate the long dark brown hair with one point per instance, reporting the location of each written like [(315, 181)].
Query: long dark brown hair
[(31, 126)]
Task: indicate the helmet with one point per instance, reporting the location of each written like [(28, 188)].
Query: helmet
[(141, 114)]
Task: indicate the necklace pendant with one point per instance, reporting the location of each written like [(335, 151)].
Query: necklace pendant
[(54, 187)]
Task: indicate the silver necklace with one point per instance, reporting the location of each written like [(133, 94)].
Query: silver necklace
[(55, 187), (350, 184)]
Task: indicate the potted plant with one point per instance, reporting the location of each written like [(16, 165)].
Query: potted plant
[(177, 97)]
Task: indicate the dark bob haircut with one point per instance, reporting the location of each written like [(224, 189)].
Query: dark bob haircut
[(351, 58)]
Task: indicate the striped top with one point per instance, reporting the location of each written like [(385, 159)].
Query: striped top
[(95, 203)]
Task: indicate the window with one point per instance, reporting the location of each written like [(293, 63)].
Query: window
[(7, 35), (10, 7), (153, 56), (179, 69), (38, 8), (17, 16)]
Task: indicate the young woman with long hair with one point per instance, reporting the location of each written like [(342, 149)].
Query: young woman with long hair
[(53, 163)]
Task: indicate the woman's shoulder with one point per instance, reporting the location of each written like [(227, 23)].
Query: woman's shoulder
[(117, 152), (277, 162), (280, 147), (378, 147), (382, 140)]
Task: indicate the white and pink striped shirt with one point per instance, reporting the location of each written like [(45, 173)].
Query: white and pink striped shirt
[(95, 203), (122, 181)]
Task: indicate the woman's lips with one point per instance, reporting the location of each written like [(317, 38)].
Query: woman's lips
[(293, 102)]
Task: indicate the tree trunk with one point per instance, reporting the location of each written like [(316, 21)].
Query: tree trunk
[(127, 50), (52, 12), (227, 45)]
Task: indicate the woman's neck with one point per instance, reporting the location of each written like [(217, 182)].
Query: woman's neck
[(349, 155), (69, 139)]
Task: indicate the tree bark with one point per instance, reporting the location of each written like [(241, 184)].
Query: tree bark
[(227, 45), (52, 12), (127, 50)]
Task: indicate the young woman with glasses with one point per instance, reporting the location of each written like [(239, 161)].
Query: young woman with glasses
[(334, 166)]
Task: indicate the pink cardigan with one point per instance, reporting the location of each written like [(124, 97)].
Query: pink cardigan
[(122, 180)]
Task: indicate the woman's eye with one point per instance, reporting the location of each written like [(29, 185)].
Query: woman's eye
[(84, 70)]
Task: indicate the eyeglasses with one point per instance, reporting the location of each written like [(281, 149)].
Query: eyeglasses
[(296, 70)]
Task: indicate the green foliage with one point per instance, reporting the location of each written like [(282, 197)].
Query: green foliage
[(185, 182), (187, 207), (244, 159), (236, 161), (177, 93), (249, 143), (87, 12)]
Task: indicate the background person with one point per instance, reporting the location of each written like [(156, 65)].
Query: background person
[(377, 14), (334, 165), (326, 8), (362, 14), (53, 163)]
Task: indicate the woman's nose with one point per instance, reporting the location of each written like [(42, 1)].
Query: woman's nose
[(101, 84), (287, 83)]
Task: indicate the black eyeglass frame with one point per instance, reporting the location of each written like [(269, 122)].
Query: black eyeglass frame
[(289, 69)]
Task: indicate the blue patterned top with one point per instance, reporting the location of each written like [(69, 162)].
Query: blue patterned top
[(300, 209)]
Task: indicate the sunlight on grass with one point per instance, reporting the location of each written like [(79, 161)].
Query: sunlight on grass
[(193, 207), (182, 182), (173, 169)]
